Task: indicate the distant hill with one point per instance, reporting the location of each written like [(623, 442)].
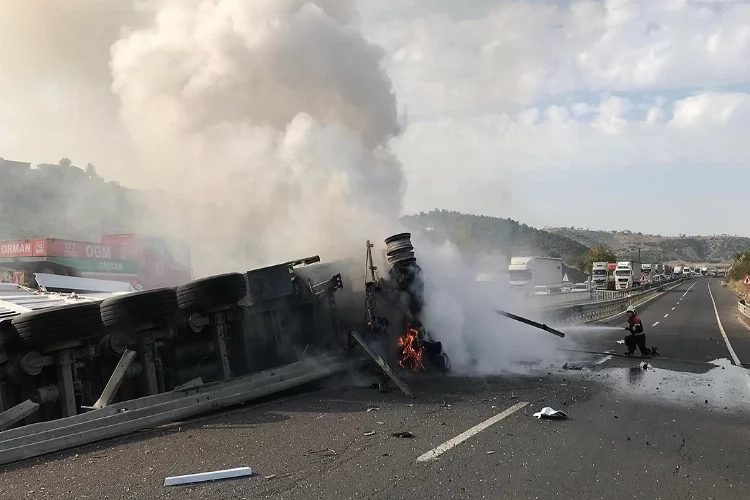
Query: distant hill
[(60, 201), (480, 236), (657, 248)]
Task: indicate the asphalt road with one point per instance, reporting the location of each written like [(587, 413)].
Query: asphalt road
[(679, 429)]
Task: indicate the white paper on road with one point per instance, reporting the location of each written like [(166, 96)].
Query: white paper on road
[(548, 412)]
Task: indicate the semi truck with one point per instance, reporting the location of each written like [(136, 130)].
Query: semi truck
[(604, 275), (145, 261), (627, 274), (525, 273)]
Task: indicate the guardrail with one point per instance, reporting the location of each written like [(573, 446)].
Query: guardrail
[(594, 311), (744, 308), (593, 296)]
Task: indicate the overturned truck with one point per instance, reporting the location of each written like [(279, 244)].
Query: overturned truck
[(77, 367)]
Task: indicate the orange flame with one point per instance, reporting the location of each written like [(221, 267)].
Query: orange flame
[(411, 350)]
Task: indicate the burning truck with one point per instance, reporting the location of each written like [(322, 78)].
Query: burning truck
[(401, 293)]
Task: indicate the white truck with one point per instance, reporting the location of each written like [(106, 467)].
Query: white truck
[(525, 273), (627, 274), (704, 271), (600, 275), (687, 272), (678, 271)]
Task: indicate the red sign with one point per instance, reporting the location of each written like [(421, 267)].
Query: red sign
[(22, 248), (88, 250)]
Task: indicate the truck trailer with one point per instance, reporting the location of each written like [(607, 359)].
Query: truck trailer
[(527, 272)]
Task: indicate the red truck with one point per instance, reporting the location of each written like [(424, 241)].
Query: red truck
[(146, 261)]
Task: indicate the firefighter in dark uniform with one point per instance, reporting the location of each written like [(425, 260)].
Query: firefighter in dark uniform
[(637, 336)]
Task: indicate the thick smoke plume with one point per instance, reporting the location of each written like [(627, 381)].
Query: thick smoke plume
[(258, 131), (271, 119)]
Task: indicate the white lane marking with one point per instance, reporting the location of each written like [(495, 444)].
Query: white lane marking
[(721, 329), (436, 452), (673, 308), (655, 324), (666, 315), (686, 291), (603, 360)]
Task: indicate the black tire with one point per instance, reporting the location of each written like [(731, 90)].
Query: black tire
[(69, 322), (211, 293), (134, 309)]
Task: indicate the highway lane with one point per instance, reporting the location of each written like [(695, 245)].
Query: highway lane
[(678, 430)]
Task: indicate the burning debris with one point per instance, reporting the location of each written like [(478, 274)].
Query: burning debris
[(405, 277), (411, 350)]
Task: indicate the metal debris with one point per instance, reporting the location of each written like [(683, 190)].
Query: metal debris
[(208, 476), (403, 434)]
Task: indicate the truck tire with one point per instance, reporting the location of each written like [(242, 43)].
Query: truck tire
[(134, 309), (213, 292), (69, 322)]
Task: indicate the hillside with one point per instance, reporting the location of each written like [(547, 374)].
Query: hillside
[(478, 236), (61, 201), (657, 248)]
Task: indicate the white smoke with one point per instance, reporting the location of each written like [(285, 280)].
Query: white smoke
[(276, 113), (460, 312)]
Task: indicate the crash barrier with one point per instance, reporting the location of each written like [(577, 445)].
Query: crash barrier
[(744, 308), (582, 297), (146, 412), (595, 311)]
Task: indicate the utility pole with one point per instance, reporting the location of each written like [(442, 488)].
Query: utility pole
[(639, 254)]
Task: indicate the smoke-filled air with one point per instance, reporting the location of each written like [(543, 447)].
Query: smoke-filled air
[(255, 131), (259, 130)]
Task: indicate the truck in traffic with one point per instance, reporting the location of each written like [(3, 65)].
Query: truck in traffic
[(145, 261), (525, 273), (603, 275), (687, 272), (627, 274)]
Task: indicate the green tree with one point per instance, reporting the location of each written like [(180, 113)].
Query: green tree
[(740, 268), (600, 253)]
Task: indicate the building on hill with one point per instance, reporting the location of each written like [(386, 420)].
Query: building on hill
[(13, 166)]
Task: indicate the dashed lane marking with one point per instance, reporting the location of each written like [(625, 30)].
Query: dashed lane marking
[(436, 452), (673, 308), (603, 360), (666, 315), (655, 324), (686, 291)]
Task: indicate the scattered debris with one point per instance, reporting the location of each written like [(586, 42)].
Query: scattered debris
[(374, 408), (548, 412), (208, 476), (645, 366), (370, 433), (380, 423), (620, 341), (381, 363), (490, 452), (445, 405), (270, 477), (403, 434), (569, 366)]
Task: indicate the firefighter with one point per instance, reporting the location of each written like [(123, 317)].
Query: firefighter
[(637, 336)]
